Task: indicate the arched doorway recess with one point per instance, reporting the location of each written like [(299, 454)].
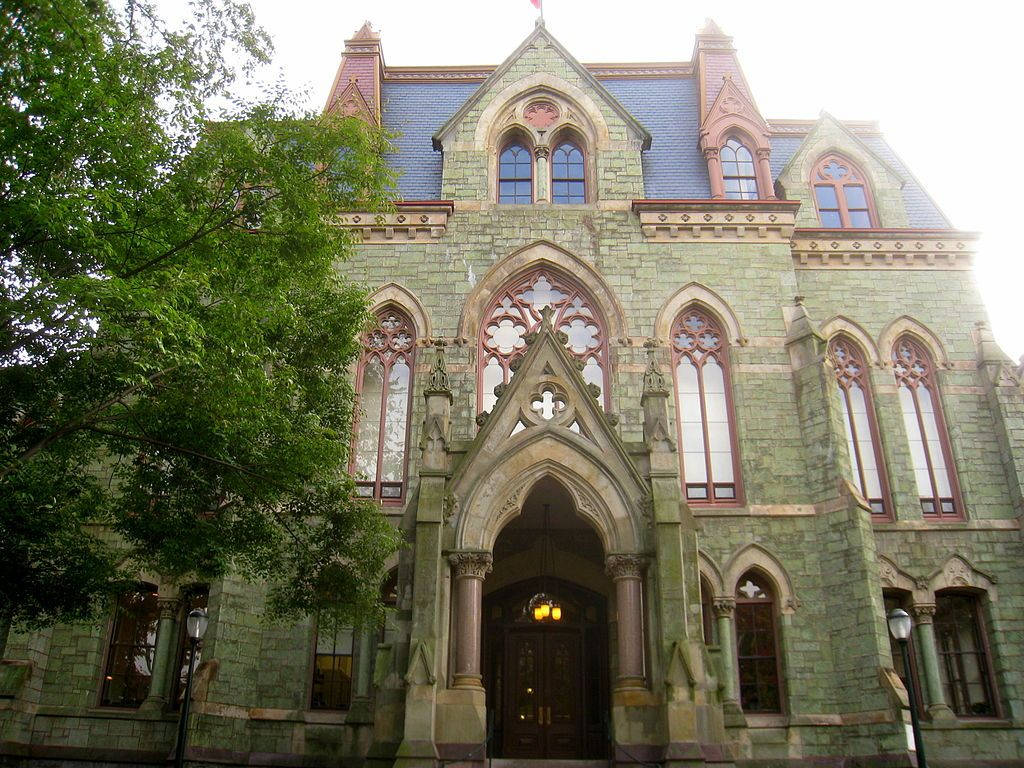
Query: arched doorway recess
[(547, 679)]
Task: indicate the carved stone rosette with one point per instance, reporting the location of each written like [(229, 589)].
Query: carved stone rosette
[(624, 566), (473, 564)]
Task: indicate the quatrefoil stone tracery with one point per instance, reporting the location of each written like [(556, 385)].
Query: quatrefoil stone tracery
[(547, 404)]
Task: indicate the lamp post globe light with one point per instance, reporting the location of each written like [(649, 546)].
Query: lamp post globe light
[(899, 627), (195, 627)]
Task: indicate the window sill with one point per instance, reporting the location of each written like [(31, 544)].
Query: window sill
[(766, 720), (968, 723), (107, 713)]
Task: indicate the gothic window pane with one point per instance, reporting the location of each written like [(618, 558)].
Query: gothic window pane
[(756, 656), (567, 183), (703, 411), (842, 198), (963, 655), (926, 436), (516, 311), (129, 668), (515, 175), (738, 175), (332, 669), (384, 390)]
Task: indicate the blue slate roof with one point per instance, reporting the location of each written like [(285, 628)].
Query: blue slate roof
[(415, 111), (674, 166), (922, 211)]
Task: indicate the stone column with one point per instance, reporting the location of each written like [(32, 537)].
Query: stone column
[(163, 654), (625, 571), (714, 162), (543, 186), (723, 608), (470, 569), (924, 614), (359, 712), (764, 174)]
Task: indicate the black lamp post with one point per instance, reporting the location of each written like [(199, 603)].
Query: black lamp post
[(899, 627), (195, 625)]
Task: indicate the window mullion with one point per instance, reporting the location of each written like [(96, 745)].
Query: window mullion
[(710, 480), (856, 441), (378, 488), (927, 453)]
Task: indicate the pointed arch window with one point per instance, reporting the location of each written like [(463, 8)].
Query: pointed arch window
[(854, 389), (132, 648), (842, 195), (926, 430), (384, 384), (515, 174), (964, 663), (738, 172), (704, 408), (515, 312), (757, 657), (567, 175)]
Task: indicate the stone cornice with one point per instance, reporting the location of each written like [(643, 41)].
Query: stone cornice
[(942, 249), (477, 74), (414, 220), (789, 127), (731, 221)]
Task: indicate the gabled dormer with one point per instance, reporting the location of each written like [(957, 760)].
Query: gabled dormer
[(542, 129)]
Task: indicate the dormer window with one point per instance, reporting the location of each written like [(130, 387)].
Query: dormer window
[(738, 174), (515, 174), (567, 175), (841, 194)]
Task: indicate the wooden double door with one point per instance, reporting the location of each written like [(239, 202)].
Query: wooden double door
[(547, 682)]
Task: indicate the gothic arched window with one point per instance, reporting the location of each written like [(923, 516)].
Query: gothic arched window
[(841, 194), (132, 648), (384, 383), (854, 389), (926, 429), (515, 174), (738, 174), (757, 658), (704, 409), (515, 312), (965, 666), (567, 177)]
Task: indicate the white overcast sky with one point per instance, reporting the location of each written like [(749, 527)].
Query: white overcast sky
[(942, 79)]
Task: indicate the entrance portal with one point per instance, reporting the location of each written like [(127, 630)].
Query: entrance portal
[(547, 681)]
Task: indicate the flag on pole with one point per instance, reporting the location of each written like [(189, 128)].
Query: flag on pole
[(538, 4)]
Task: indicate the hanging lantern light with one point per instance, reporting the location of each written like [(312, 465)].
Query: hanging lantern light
[(556, 612)]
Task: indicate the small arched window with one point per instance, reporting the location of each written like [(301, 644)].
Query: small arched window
[(841, 194), (926, 430), (515, 174), (704, 408), (738, 174), (384, 386), (515, 312), (757, 658), (854, 390), (567, 176)]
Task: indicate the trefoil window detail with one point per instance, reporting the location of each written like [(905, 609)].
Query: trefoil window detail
[(738, 174), (757, 658), (926, 430), (704, 409), (841, 194), (854, 391), (384, 386), (567, 175), (515, 312), (515, 174)]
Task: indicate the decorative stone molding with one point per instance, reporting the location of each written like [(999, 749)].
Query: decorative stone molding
[(654, 379), (723, 606), (439, 383), (470, 74), (624, 566), (724, 221), (168, 607), (924, 613), (473, 564), (412, 222), (883, 249)]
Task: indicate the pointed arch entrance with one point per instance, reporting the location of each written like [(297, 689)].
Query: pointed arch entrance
[(547, 674)]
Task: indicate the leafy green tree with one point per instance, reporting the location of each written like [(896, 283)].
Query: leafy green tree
[(175, 336)]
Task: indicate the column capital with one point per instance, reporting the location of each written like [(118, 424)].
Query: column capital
[(624, 566), (711, 153), (724, 606), (168, 607), (541, 151), (474, 564), (924, 613), (763, 153)]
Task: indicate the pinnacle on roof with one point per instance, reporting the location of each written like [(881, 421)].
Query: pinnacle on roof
[(366, 32), (711, 28)]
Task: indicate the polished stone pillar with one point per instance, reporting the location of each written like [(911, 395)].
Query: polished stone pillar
[(765, 173), (723, 608), (714, 161), (470, 569), (163, 654), (543, 185), (924, 614), (625, 571)]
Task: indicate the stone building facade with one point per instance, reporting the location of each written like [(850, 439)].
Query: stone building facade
[(672, 402)]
